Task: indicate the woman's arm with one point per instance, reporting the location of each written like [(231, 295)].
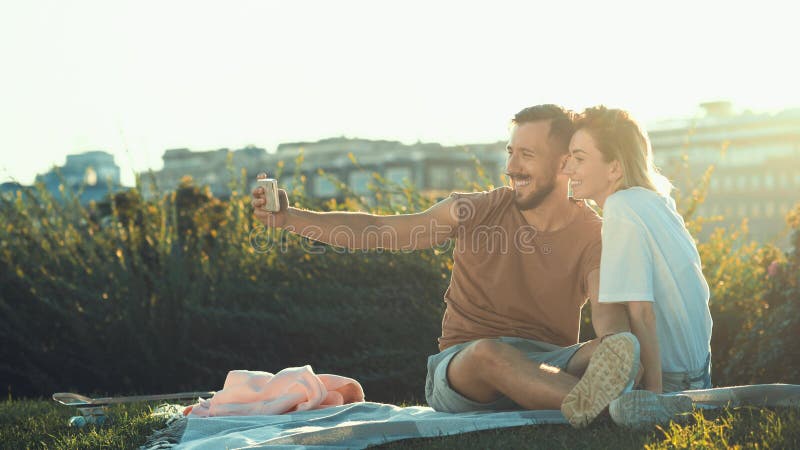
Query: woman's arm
[(607, 318), (643, 325)]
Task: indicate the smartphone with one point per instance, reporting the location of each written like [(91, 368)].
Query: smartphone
[(270, 186)]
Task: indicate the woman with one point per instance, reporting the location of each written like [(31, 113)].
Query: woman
[(649, 260)]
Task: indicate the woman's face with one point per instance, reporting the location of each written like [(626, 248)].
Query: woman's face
[(590, 176)]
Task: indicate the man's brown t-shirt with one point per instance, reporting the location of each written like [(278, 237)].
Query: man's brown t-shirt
[(509, 279)]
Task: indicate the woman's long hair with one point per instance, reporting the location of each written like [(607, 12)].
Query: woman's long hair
[(620, 138)]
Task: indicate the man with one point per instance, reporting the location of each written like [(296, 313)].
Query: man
[(526, 260)]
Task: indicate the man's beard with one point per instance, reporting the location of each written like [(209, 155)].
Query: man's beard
[(536, 198)]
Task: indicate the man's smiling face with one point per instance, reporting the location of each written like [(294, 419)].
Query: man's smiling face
[(532, 163)]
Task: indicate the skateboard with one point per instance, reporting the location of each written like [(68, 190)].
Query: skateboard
[(93, 410)]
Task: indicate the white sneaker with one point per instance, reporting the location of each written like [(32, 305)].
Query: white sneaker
[(611, 371), (643, 409)]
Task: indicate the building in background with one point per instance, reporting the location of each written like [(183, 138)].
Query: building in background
[(756, 159), (215, 169), (432, 168), (92, 176), (9, 189)]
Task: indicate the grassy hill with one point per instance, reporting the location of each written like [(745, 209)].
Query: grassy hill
[(42, 424)]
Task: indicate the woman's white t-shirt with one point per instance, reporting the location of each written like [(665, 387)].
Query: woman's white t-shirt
[(648, 255)]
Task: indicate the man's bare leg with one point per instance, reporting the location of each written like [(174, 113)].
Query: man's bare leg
[(487, 368), (580, 360)]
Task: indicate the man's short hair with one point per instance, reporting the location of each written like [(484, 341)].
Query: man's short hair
[(562, 123)]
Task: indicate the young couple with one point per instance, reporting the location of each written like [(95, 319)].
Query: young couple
[(528, 256)]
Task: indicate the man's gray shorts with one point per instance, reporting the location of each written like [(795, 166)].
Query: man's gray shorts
[(441, 397)]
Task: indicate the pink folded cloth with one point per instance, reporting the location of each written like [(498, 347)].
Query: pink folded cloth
[(248, 392)]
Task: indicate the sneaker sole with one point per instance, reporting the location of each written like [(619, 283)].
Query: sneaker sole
[(642, 409), (612, 367)]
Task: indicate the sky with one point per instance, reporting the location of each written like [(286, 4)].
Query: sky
[(135, 78)]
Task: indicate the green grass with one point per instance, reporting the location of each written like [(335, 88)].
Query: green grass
[(30, 424), (42, 424)]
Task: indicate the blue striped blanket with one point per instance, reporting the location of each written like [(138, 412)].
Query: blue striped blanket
[(359, 425)]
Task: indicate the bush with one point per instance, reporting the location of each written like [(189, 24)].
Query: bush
[(169, 294), (767, 350)]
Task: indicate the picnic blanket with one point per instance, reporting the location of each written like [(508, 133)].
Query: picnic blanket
[(359, 425)]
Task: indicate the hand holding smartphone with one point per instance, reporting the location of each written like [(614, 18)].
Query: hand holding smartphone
[(270, 186)]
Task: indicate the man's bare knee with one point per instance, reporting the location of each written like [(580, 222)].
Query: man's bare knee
[(470, 371), (488, 352), (478, 357)]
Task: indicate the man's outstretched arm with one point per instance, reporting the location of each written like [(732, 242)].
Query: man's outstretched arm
[(357, 230)]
